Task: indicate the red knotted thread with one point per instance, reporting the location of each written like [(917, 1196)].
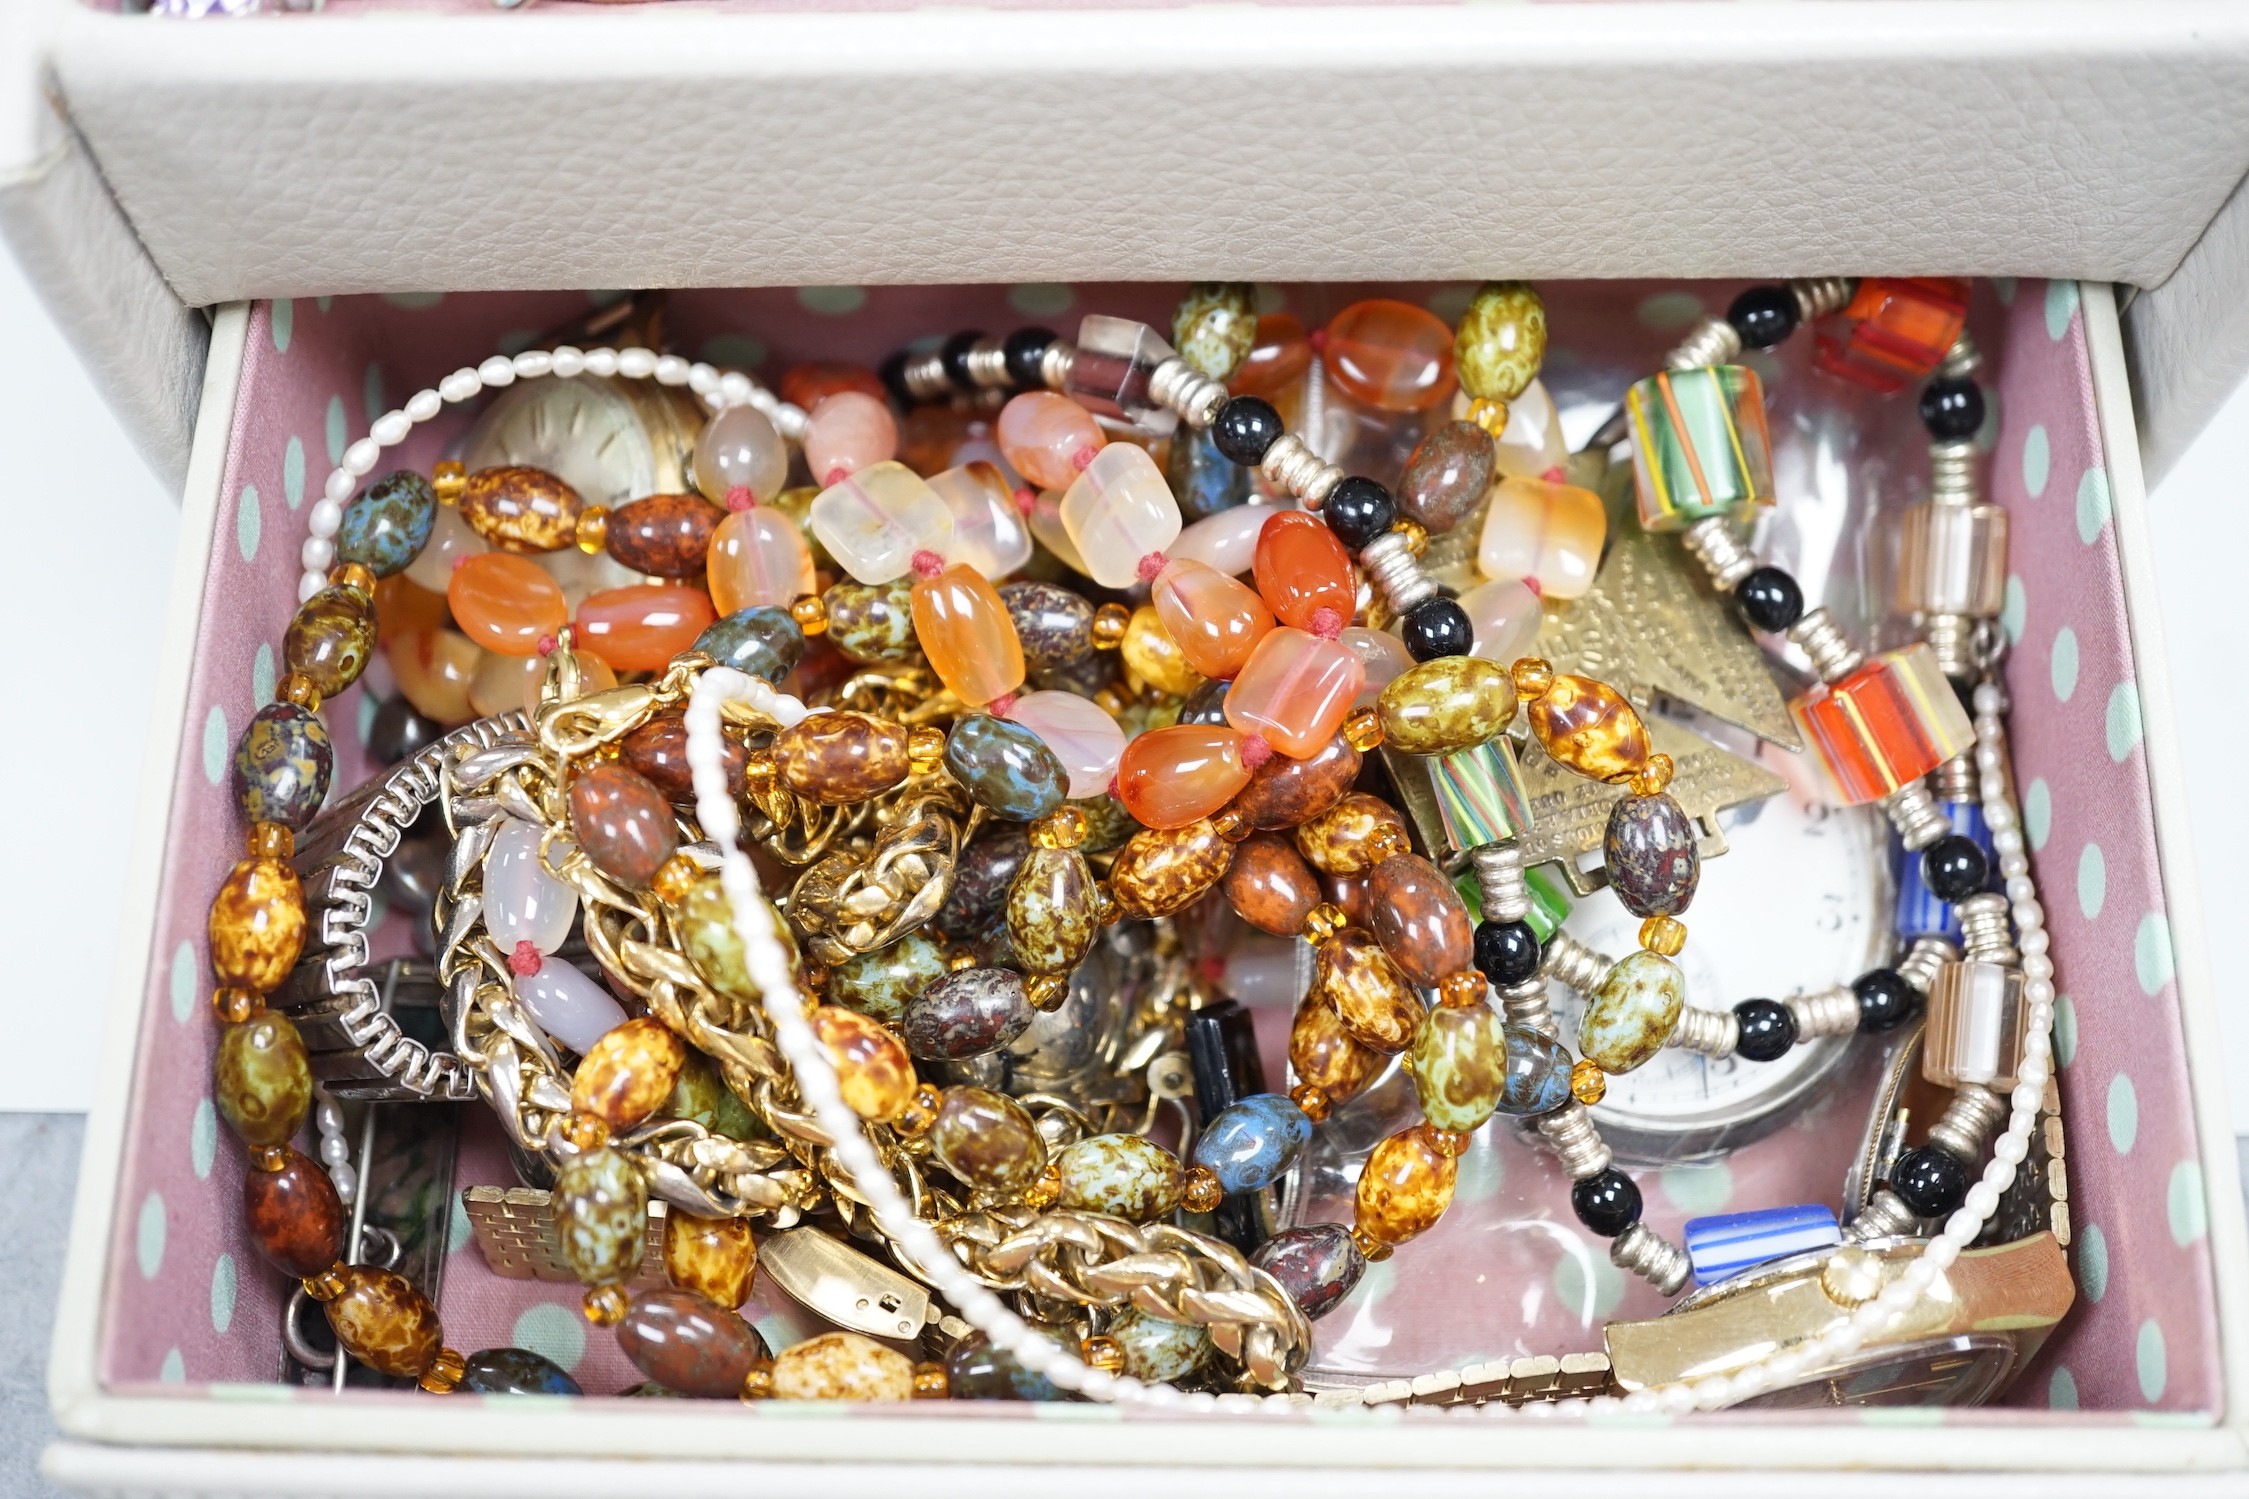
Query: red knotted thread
[(526, 959)]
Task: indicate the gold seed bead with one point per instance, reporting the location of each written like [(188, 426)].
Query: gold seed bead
[(272, 840), (593, 529), (1046, 991), (1489, 414), (1415, 533), (585, 1131), (1363, 729), (1446, 1142), (328, 1284), (1371, 1249), (930, 1382), (1047, 1190), (759, 773), (1104, 1353), (443, 1376), (1064, 827), (1461, 991), (235, 1006), (1387, 842), (1534, 677), (449, 479), (1312, 1099), (961, 962), (1105, 907), (1656, 777), (758, 1383), (1588, 1083), (815, 978), (925, 747), (299, 689), (1203, 1191), (1109, 623), (1660, 934), (811, 614), (606, 1306), (1324, 921), (1229, 823), (268, 1158), (357, 576), (1112, 702), (920, 1112), (677, 876)]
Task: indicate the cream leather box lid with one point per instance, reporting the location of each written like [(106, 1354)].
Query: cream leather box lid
[(372, 149)]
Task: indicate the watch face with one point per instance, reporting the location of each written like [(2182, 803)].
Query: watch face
[(1800, 901), (1966, 1370), (604, 439)]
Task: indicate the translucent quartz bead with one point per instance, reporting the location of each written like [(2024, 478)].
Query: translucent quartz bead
[(1250, 1144), (630, 1073), (1225, 542), (506, 604), (642, 627), (1168, 778), (738, 449), (568, 1006), (1390, 355), (1354, 977), (690, 1344), (988, 1140), (848, 431), (1286, 792), (1152, 658), (1301, 569), (1649, 851), (584, 574), (283, 765), (1505, 616), (1124, 1176), (1160, 870), (1278, 358), (1262, 972), (1119, 511), (330, 638), (1322, 1053), (1052, 912), (879, 984), (715, 1258), (1633, 1013), (1895, 331), (600, 1209), (1341, 840), (1047, 438), (1405, 1188), (873, 624), (622, 822), (872, 1069), (1110, 373), (450, 539), (668, 535), (384, 1322), (1419, 919), (1084, 738), (840, 758), (1502, 340), (1005, 767), (1295, 691), (1953, 560), (1892, 721), (1048, 531), (1978, 1026), (874, 521), (1446, 476), (842, 1366), (521, 509), (1270, 886), (1548, 533), (1382, 658), (256, 926), (1531, 445), (1215, 326), (261, 1079), (990, 531), (522, 902), (1588, 727), (1216, 620), (1699, 445), (294, 1214), (1447, 704), (965, 631), (388, 525)]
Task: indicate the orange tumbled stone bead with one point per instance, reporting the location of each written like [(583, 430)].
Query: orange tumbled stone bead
[(1277, 360), (1215, 620), (642, 627), (1588, 727), (1301, 569), (506, 603), (1390, 355), (872, 1068), (1406, 1187), (1171, 777), (758, 557), (403, 606), (965, 630), (434, 669)]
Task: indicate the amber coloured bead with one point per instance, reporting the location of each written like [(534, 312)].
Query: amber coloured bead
[(840, 758), (434, 669), (522, 509), (295, 1215), (965, 630), (668, 535), (330, 639), (1346, 838), (1390, 355), (1301, 569), (1420, 919), (1153, 658), (1588, 727), (630, 1072), (1270, 885), (383, 1321), (1406, 1186), (257, 925), (1277, 360), (872, 1067), (1323, 1055), (1160, 870), (622, 822), (1356, 979), (506, 604), (716, 1258)]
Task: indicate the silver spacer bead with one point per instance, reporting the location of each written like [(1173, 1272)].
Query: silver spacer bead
[(1833, 1011), (1886, 1217), (1919, 966), (1913, 812), (1969, 1122), (925, 379), (1714, 341), (1817, 296), (1952, 640), (1719, 549), (1499, 874), (1954, 474), (1985, 936), (1962, 359), (1055, 363), (1955, 780), (1292, 466), (1569, 961), (1526, 1004), (1180, 387), (1650, 1256), (1391, 567), (1578, 1143), (1833, 656), (987, 364), (1711, 1033)]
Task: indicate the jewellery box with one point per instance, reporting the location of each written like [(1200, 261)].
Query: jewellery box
[(269, 159)]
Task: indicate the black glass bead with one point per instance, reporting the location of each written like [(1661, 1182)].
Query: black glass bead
[(1764, 316), (1206, 705), (1506, 951), (1608, 1204), (1768, 1029), (955, 356), (1952, 410), (1770, 600), (1955, 868), (1245, 428), (1886, 1000), (1436, 627), (893, 373), (399, 732), (1025, 350), (1359, 510), (1930, 1180)]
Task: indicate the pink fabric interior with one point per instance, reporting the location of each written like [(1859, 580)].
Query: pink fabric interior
[(188, 1300)]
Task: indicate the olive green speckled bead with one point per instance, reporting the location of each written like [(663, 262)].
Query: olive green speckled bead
[(1123, 1175), (262, 1079), (1451, 703), (1501, 340), (601, 1216), (1216, 327), (1155, 1349), (1051, 914), (880, 984), (704, 920), (873, 624), (988, 1140), (1633, 1013)]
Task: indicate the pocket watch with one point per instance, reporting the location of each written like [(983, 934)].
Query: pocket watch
[(612, 439)]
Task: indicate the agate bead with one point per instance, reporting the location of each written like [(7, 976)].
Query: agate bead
[(1053, 625), (1160, 870), (1342, 839), (1501, 341), (1420, 919), (1052, 916), (1226, 543), (990, 532), (1125, 1176), (387, 526), (840, 758), (1250, 1144), (505, 684), (1549, 534), (1119, 513), (330, 638), (882, 984), (262, 1079), (1629, 1017), (521, 509), (450, 540), (1277, 360), (988, 1140), (1649, 850), (1044, 437), (1448, 704), (1081, 736), (690, 1344), (622, 822), (1588, 727), (846, 432), (1302, 569), (1383, 658), (763, 642), (1390, 355), (1295, 691), (965, 631), (295, 1215), (873, 623), (738, 449), (872, 1069), (642, 627), (384, 1322), (1168, 778), (715, 1258), (757, 558), (1531, 445), (966, 1014), (842, 1366), (665, 534), (629, 1073), (1447, 475), (1286, 792), (1270, 886), (433, 669), (573, 1009), (257, 925), (514, 1371), (1216, 621), (873, 522), (522, 902), (282, 766), (1405, 1188), (1355, 978), (506, 603), (1318, 1264), (1504, 618), (600, 1207)]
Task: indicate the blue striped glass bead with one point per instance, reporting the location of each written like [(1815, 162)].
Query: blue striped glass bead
[(1725, 1244), (1920, 913), (1248, 1145)]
